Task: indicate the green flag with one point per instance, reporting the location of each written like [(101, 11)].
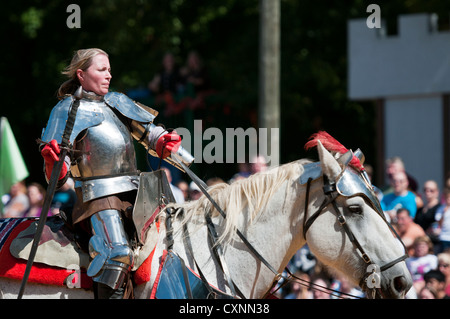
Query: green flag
[(12, 165)]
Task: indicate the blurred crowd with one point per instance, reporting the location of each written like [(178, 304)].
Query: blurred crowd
[(420, 216), (177, 90), (27, 200)]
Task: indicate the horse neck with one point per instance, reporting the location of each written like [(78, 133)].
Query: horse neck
[(275, 234), (282, 221)]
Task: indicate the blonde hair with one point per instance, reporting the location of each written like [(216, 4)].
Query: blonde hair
[(426, 240), (444, 257), (82, 59)]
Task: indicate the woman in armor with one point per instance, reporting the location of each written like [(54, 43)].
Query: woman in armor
[(102, 161)]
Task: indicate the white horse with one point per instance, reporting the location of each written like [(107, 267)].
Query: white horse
[(269, 210)]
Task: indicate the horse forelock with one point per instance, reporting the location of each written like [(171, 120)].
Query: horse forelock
[(250, 194)]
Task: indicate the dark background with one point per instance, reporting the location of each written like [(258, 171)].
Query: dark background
[(37, 45)]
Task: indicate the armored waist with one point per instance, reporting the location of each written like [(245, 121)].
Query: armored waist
[(104, 186)]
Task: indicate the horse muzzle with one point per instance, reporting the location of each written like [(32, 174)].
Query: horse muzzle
[(390, 287)]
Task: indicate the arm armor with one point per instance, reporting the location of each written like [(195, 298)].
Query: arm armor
[(148, 134)]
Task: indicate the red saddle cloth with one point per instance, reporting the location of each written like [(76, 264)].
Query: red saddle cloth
[(14, 268)]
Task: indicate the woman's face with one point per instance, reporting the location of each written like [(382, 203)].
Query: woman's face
[(97, 76)]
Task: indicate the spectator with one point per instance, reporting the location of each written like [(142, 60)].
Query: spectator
[(444, 267), (427, 293), (298, 288), (244, 172), (168, 78), (401, 197), (184, 187), (177, 193), (435, 279), (18, 201), (258, 164), (407, 229), (214, 181), (64, 199), (319, 286), (194, 75), (194, 191), (36, 194), (426, 215), (394, 165), (343, 285), (421, 261), (446, 185), (443, 217), (196, 88)]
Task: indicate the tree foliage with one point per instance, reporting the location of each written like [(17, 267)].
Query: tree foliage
[(38, 44)]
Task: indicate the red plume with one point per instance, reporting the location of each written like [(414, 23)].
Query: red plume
[(332, 145)]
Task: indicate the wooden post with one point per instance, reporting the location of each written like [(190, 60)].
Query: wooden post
[(269, 75)]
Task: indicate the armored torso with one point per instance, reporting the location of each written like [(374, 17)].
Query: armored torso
[(104, 160), (106, 163), (106, 149)]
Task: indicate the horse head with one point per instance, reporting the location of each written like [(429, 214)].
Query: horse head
[(345, 227)]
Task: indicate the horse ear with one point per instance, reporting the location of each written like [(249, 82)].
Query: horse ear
[(345, 159), (330, 166)]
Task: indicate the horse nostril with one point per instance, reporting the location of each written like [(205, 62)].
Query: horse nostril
[(400, 284)]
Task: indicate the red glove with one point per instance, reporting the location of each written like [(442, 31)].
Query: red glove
[(50, 153), (167, 144)]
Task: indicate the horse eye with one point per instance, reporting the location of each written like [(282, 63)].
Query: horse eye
[(355, 209)]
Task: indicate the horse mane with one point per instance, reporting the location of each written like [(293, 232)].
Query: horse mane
[(332, 145), (251, 194)]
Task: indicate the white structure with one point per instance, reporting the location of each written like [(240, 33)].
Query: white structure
[(408, 74)]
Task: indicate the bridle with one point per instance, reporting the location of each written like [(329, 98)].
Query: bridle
[(331, 194)]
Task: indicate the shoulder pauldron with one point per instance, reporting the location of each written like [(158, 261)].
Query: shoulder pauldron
[(90, 114), (87, 116), (129, 108)]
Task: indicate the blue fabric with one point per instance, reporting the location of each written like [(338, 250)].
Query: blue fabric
[(392, 201)]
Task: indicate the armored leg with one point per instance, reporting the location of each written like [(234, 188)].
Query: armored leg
[(110, 250)]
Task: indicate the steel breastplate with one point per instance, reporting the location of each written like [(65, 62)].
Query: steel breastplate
[(106, 163), (106, 149)]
